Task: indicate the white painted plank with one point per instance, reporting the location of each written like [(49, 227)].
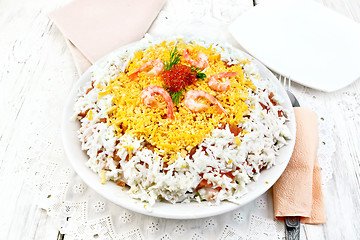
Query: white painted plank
[(32, 62), (36, 70)]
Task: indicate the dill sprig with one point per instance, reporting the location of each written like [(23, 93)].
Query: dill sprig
[(174, 58), (199, 72), (175, 96)]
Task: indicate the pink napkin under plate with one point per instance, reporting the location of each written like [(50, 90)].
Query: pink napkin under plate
[(95, 28)]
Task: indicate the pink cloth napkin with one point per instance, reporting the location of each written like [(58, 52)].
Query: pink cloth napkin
[(95, 28), (298, 191)]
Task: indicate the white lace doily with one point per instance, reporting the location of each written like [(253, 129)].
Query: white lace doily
[(80, 213)]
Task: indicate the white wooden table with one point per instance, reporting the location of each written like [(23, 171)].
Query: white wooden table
[(36, 74)]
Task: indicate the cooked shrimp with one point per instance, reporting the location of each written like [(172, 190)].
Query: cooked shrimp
[(149, 100), (194, 106), (202, 62), (216, 85), (153, 68)]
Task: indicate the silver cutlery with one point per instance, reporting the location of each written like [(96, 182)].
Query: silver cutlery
[(292, 224)]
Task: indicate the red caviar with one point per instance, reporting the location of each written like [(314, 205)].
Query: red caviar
[(178, 77)]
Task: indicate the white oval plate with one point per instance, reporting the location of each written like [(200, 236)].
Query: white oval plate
[(312, 44), (192, 210)]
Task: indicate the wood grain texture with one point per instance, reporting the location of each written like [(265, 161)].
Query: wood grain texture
[(35, 64), (36, 74), (342, 195)]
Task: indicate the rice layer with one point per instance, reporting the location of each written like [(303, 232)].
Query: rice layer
[(196, 156)]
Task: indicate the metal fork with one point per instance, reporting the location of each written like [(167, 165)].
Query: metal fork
[(292, 224), (60, 236), (286, 82)]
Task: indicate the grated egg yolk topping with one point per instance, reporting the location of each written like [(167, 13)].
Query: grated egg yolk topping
[(173, 137)]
